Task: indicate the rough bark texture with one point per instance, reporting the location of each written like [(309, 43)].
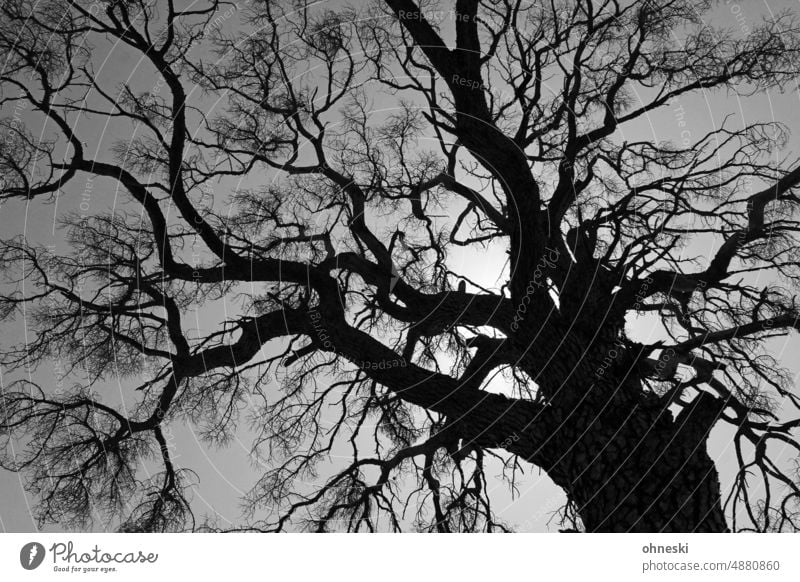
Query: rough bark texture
[(619, 452), (644, 472), (647, 474)]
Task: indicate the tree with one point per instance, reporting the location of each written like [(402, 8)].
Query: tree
[(316, 168)]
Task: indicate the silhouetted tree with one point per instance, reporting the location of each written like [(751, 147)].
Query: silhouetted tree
[(315, 167)]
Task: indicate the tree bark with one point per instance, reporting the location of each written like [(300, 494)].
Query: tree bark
[(641, 471), (618, 451), (652, 474)]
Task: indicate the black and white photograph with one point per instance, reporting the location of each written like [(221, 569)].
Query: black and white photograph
[(400, 267)]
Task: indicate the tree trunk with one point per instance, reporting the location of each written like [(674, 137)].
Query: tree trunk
[(622, 457), (614, 447), (644, 472), (626, 469), (651, 475)]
